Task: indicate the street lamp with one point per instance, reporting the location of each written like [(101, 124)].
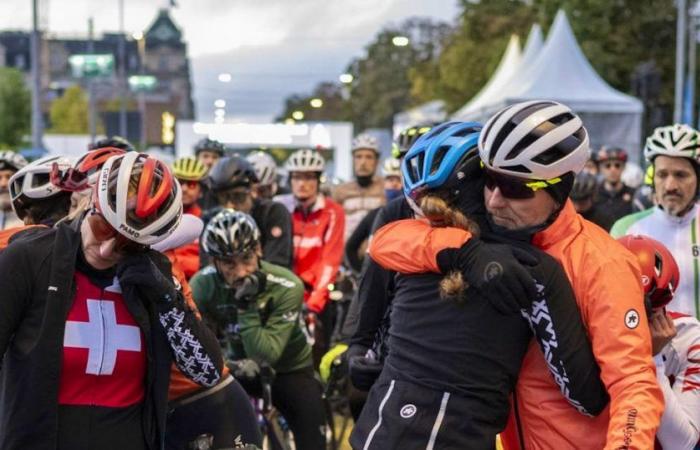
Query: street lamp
[(316, 103), (220, 113), (220, 103), (346, 78), (298, 115), (225, 77), (137, 35), (400, 41)]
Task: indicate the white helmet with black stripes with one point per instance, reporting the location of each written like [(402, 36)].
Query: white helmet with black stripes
[(305, 161), (265, 167), (538, 140)]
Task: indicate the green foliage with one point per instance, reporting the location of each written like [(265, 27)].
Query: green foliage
[(69, 113), (334, 105), (454, 63), (15, 108)]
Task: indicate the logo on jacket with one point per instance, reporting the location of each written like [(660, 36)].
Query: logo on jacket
[(493, 270), (408, 411), (632, 319)]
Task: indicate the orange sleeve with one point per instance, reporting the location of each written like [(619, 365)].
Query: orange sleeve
[(621, 341), (331, 258), (412, 245), (6, 234)]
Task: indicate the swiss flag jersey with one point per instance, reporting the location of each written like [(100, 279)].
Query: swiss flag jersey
[(104, 358)]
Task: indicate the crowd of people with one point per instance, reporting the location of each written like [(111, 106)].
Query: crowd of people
[(508, 288)]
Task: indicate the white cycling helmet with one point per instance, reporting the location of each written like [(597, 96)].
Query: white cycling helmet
[(391, 167), (365, 142), (538, 140), (139, 197), (678, 141), (265, 167), (10, 160), (305, 161), (33, 182)]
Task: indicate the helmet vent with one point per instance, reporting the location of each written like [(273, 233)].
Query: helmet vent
[(437, 159)]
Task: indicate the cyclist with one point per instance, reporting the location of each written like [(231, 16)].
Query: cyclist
[(355, 246), (208, 152), (266, 173), (68, 290), (232, 180), (318, 238), (672, 152), (366, 321), (255, 309), (10, 163), (455, 355), (583, 197), (525, 191), (613, 196), (675, 341), (189, 172), (113, 142), (366, 192), (35, 199)]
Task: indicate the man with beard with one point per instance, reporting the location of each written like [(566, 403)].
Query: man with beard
[(365, 192), (673, 153), (10, 163)]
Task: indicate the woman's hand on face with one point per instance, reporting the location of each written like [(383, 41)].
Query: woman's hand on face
[(662, 330)]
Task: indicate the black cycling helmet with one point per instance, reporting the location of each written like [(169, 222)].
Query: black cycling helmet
[(115, 142), (229, 234), (209, 145), (585, 185), (407, 137), (230, 172)]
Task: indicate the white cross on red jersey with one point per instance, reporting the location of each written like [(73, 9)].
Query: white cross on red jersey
[(104, 360)]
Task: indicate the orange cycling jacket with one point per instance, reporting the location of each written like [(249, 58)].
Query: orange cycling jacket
[(605, 278)]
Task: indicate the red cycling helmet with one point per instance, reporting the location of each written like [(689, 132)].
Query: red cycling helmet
[(611, 154), (139, 197), (84, 172), (660, 274)]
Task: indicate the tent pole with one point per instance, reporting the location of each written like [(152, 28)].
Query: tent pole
[(680, 58)]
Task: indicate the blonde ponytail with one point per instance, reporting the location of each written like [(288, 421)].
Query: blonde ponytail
[(440, 214)]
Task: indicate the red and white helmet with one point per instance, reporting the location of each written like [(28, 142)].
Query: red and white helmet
[(660, 274), (91, 162), (139, 197), (33, 182)]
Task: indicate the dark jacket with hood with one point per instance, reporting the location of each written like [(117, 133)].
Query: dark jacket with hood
[(38, 288)]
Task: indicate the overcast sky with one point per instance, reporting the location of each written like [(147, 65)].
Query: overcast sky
[(272, 48)]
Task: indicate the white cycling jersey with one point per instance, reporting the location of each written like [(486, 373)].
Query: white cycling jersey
[(681, 235), (678, 372)]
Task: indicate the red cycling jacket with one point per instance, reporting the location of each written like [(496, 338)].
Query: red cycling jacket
[(606, 280), (318, 246), (187, 256)]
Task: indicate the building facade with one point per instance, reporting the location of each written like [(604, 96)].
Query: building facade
[(161, 53)]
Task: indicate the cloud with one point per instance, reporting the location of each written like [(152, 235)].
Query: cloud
[(273, 48)]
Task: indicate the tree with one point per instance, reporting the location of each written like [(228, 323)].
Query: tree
[(472, 52), (381, 86), (69, 113), (334, 105), (15, 108)]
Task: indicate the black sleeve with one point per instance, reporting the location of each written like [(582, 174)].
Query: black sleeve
[(277, 242), (194, 346), (358, 236), (556, 322), (373, 296), (16, 288)]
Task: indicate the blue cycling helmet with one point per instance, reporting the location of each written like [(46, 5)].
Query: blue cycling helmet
[(434, 157)]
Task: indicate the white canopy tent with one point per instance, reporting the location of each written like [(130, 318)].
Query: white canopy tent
[(499, 80), (561, 72), (433, 111), (534, 44)]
